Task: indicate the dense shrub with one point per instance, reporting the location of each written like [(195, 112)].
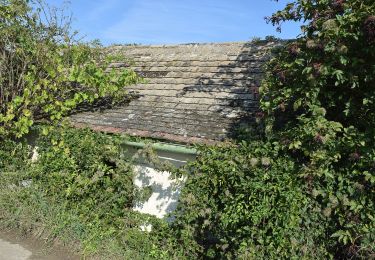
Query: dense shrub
[(306, 190), (44, 71), (326, 81), (79, 190), (246, 201), (13, 155), (87, 170), (312, 191)]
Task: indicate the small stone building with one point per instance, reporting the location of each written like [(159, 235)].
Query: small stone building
[(193, 93)]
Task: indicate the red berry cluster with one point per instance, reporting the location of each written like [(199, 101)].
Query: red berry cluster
[(338, 5), (369, 29), (354, 156), (294, 50), (317, 67)]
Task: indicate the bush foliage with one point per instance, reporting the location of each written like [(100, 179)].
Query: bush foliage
[(306, 190), (80, 191), (88, 170), (44, 71), (326, 81), (246, 202)]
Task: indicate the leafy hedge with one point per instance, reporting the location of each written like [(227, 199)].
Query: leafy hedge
[(326, 80), (80, 191), (308, 189), (87, 170), (305, 190), (246, 202), (45, 73)]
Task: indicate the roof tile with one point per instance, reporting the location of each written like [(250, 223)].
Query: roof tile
[(195, 93)]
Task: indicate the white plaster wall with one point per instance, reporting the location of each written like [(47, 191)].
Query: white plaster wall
[(165, 191)]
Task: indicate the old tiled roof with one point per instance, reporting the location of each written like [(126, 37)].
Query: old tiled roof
[(193, 93)]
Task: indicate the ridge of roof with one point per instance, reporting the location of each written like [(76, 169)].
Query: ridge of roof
[(167, 45)]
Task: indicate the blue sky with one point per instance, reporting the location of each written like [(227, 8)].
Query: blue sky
[(175, 21)]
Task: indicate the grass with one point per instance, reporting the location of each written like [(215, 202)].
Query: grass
[(26, 209)]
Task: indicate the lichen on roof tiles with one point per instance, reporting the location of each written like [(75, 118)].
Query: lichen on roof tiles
[(194, 93)]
